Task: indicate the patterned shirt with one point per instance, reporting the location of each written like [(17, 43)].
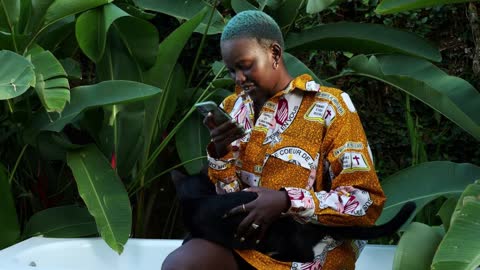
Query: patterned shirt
[(308, 140)]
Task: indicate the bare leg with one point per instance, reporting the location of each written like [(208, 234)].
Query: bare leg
[(200, 254)]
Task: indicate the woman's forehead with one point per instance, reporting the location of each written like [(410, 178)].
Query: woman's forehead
[(240, 47)]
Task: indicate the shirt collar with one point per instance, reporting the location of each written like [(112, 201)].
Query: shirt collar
[(303, 82)]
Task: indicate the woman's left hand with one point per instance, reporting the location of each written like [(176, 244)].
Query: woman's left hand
[(262, 211)]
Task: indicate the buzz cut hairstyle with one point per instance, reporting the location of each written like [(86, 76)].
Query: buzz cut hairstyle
[(253, 24)]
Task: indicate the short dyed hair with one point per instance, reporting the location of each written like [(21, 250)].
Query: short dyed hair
[(253, 24)]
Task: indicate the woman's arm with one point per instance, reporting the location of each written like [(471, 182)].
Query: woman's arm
[(355, 196)]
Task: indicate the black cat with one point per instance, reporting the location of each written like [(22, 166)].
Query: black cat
[(285, 240)]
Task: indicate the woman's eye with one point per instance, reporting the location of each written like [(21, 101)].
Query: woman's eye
[(246, 67)]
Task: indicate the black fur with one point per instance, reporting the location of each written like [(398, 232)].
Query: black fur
[(285, 240)]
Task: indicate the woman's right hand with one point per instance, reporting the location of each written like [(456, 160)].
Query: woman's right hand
[(222, 135)]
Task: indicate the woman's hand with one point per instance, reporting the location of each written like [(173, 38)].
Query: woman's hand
[(262, 211), (222, 135)]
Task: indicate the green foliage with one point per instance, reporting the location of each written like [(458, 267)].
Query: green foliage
[(458, 249), (51, 85), (417, 247), (102, 191), (362, 38), (61, 222), (16, 75), (455, 98), (393, 6), (126, 51), (9, 229)]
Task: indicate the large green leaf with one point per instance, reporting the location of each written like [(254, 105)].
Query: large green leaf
[(64, 222), (362, 38), (104, 194), (286, 13), (446, 210), (122, 135), (395, 6), (191, 141), (460, 248), (92, 26), (58, 35), (425, 182), (60, 9), (16, 75), (315, 6), (9, 227), (416, 248), (91, 96), (160, 107), (242, 5), (54, 146), (9, 14), (451, 96), (296, 68), (51, 81), (132, 48), (185, 10), (46, 13)]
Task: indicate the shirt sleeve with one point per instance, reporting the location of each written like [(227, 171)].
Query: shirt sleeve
[(222, 171), (355, 196)]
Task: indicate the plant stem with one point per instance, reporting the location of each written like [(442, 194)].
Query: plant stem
[(174, 130), (16, 163), (139, 213), (10, 106), (149, 181), (202, 43)]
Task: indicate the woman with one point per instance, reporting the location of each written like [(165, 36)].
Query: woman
[(306, 156)]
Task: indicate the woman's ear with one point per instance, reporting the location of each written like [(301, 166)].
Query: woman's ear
[(276, 50)]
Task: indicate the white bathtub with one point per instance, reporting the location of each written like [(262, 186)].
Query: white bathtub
[(40, 253)]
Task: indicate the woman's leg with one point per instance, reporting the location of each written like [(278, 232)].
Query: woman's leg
[(200, 254)]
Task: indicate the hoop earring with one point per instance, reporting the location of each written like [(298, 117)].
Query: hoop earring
[(275, 65)]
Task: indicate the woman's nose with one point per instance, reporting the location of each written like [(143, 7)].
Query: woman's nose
[(239, 77)]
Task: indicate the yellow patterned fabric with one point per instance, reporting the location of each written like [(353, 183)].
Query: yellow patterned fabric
[(308, 140)]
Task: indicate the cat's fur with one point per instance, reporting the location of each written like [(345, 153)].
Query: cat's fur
[(285, 240)]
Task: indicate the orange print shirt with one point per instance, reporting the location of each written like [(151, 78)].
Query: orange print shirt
[(308, 140)]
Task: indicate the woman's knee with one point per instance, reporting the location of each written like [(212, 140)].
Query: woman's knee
[(175, 261), (200, 254)]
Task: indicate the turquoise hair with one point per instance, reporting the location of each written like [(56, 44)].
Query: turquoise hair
[(253, 24)]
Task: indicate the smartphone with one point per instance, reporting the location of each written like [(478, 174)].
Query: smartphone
[(220, 116)]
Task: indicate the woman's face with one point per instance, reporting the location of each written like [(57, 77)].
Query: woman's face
[(251, 67)]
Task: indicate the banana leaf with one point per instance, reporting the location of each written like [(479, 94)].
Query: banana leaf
[(362, 38), (395, 6), (417, 247), (67, 221), (91, 96), (104, 194), (460, 248), (451, 96), (16, 75), (52, 85), (425, 182), (185, 10)]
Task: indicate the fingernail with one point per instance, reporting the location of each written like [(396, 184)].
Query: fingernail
[(242, 239)]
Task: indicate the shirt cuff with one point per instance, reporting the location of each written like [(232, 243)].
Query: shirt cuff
[(302, 205)]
